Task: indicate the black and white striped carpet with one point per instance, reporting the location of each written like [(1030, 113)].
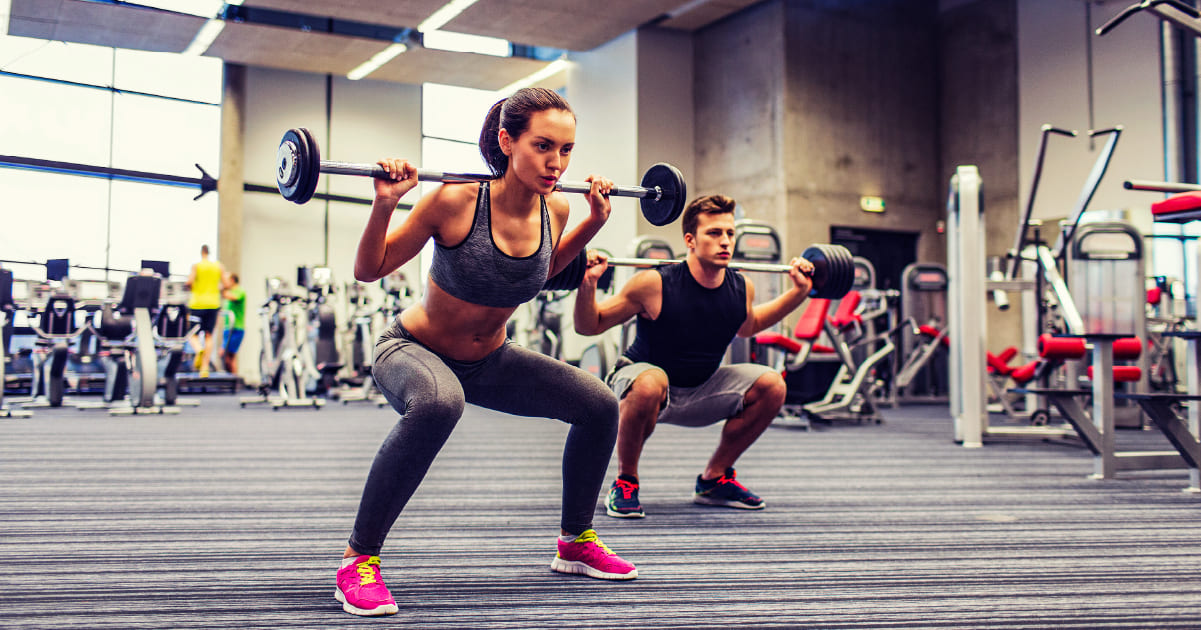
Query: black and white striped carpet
[(223, 517)]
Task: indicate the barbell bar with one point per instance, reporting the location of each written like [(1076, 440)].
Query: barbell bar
[(833, 270), (663, 192)]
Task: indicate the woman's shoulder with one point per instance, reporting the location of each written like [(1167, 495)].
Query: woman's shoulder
[(451, 199), (464, 192), (558, 204)]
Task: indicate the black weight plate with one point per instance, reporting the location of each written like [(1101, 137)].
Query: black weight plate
[(847, 269), (572, 275), (673, 194), (312, 167), (840, 265), (821, 267), (829, 288), (290, 160)]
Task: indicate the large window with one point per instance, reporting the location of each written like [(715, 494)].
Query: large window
[(109, 108), (451, 118)]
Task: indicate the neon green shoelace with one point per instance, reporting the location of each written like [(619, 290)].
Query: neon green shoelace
[(366, 573), (589, 536)]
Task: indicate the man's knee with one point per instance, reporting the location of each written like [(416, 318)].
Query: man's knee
[(642, 402), (650, 387), (769, 389)]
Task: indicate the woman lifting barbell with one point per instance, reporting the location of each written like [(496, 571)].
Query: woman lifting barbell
[(496, 243)]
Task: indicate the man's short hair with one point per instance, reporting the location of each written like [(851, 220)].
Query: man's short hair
[(709, 204)]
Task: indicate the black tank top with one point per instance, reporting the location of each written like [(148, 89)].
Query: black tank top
[(694, 327)]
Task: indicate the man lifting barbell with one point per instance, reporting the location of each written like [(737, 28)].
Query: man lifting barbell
[(495, 244), (687, 315)]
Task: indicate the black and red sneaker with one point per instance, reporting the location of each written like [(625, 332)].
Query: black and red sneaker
[(725, 491), (622, 501)]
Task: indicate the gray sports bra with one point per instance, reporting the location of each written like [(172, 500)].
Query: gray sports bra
[(477, 271)]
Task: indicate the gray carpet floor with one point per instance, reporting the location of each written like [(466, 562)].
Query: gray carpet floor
[(223, 517)]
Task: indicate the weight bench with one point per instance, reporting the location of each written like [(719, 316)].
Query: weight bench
[(1097, 429), (1162, 409), (1184, 207), (797, 350), (851, 393)]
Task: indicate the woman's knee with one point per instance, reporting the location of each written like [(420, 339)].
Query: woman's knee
[(445, 404), (590, 403)]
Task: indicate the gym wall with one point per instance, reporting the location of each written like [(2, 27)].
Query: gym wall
[(1056, 47)]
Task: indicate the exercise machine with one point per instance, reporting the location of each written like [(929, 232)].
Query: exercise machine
[(756, 242), (6, 311), (922, 374), (281, 361), (1105, 272), (322, 360), (56, 330)]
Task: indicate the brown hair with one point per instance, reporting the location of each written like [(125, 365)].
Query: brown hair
[(711, 204), (513, 115)]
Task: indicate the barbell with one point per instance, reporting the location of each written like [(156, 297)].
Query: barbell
[(833, 270), (663, 192)]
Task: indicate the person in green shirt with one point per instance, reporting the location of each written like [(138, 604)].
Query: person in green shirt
[(235, 305)]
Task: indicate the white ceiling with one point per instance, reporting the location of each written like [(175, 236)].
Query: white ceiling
[(574, 25)]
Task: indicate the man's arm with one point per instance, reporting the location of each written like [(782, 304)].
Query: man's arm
[(770, 313), (592, 318)]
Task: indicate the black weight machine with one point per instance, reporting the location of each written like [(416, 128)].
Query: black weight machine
[(53, 312), (7, 307), (146, 340), (922, 374)]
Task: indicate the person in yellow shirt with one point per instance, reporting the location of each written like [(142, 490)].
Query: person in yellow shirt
[(205, 281)]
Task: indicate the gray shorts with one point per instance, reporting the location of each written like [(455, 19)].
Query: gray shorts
[(715, 400)]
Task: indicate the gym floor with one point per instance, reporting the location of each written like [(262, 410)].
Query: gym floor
[(222, 517)]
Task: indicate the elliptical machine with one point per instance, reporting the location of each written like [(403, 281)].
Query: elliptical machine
[(281, 365), (6, 311), (321, 359), (140, 298), (56, 330)]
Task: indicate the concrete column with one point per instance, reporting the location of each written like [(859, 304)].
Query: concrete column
[(230, 182)]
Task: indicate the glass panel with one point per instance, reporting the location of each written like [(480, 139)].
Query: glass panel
[(454, 113), (81, 63), (449, 157), (50, 215), (168, 74), (151, 222), (53, 121), (164, 136)]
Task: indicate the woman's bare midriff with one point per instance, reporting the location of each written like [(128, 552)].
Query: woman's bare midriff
[(454, 328)]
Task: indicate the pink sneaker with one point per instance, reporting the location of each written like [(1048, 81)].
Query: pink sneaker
[(361, 589), (589, 556)]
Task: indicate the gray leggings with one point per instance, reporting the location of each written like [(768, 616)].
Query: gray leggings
[(429, 391)]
